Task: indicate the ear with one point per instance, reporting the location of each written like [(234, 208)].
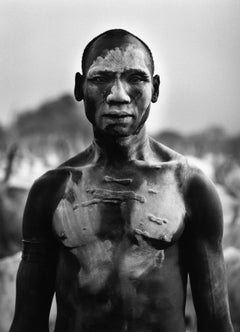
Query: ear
[(78, 89), (156, 84)]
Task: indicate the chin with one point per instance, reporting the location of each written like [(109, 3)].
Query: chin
[(118, 131)]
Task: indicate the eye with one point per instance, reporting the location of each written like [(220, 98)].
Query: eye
[(99, 79), (136, 78)]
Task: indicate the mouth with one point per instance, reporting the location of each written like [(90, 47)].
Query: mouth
[(117, 118), (117, 115)]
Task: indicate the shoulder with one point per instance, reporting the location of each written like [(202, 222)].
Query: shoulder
[(42, 200), (203, 204), (49, 184), (172, 160), (198, 187), (47, 191), (165, 153)]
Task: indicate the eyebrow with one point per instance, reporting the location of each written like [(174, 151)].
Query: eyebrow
[(128, 71), (137, 71)]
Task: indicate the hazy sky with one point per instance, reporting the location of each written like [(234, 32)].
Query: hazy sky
[(196, 47)]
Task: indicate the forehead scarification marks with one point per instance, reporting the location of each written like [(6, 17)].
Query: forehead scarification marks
[(117, 59)]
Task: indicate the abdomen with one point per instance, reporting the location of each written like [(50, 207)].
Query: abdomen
[(153, 301)]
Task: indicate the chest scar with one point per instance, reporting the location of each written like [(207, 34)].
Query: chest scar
[(110, 179), (157, 220), (112, 196)]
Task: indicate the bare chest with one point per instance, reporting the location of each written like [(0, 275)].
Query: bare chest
[(119, 222)]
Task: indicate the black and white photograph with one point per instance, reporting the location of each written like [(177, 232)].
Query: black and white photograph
[(120, 166)]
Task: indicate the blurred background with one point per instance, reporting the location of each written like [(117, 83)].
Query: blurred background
[(196, 47)]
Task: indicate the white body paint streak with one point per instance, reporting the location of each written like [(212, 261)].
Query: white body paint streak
[(118, 60)]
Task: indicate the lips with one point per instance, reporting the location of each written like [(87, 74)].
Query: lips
[(117, 115), (117, 118)]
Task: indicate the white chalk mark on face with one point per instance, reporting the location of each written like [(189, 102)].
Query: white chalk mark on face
[(119, 60)]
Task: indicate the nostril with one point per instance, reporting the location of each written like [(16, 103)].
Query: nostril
[(118, 99), (118, 94), (117, 103)]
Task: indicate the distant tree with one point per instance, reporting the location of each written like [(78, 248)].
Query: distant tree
[(210, 140), (62, 115), (58, 124)]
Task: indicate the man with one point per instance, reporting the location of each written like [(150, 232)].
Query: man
[(116, 230)]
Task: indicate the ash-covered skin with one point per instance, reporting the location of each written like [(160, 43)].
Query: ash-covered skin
[(119, 89), (119, 60), (121, 236), (120, 226)]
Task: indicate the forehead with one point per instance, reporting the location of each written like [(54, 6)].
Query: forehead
[(120, 59)]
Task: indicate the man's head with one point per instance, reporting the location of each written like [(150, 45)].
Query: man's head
[(110, 39), (117, 84)]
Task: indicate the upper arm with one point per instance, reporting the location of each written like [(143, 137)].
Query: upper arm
[(36, 273), (39, 242), (204, 253)]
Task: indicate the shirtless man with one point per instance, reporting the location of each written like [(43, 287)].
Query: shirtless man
[(116, 230)]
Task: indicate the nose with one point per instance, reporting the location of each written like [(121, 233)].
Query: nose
[(118, 93)]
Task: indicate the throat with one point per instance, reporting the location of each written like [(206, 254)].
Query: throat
[(122, 149)]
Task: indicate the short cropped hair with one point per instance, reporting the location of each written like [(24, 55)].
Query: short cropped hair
[(114, 33)]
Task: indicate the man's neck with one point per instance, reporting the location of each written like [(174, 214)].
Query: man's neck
[(114, 150)]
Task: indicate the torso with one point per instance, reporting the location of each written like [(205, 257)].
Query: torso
[(121, 262)]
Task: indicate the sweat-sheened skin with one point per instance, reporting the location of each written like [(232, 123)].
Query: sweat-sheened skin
[(116, 231)]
